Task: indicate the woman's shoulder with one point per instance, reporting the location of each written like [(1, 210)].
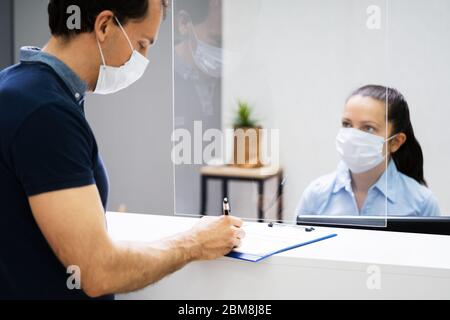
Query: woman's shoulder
[(414, 188), (316, 194), (417, 195)]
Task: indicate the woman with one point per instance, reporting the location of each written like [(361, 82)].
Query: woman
[(382, 163)]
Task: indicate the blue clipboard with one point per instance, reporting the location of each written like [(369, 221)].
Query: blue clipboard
[(257, 258)]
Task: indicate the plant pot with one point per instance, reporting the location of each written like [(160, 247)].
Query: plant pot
[(247, 148)]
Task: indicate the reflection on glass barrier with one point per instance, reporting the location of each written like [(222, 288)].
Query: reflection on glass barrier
[(265, 89)]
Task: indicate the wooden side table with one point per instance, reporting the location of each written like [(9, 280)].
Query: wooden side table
[(225, 174)]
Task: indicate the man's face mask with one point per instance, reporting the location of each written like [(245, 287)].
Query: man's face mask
[(360, 151), (207, 58), (113, 79)]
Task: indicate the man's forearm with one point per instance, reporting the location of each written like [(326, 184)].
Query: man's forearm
[(131, 267)]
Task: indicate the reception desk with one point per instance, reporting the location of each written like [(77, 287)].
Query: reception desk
[(357, 264)]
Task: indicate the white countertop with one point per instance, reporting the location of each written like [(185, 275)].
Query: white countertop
[(404, 266), (350, 246)]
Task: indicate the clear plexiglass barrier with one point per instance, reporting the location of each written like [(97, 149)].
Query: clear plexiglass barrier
[(310, 110)]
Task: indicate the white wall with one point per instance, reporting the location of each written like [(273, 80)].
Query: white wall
[(304, 57), (420, 69)]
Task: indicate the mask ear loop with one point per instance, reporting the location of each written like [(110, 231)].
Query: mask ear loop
[(389, 140), (101, 52), (194, 32), (192, 27), (126, 35), (393, 137), (195, 38)]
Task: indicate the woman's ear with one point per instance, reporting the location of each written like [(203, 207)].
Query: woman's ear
[(103, 25), (397, 142)]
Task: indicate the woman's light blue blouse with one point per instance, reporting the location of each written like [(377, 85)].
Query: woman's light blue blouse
[(394, 194)]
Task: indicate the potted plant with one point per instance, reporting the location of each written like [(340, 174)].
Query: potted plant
[(247, 140)]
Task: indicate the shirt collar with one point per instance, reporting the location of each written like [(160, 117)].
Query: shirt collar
[(343, 179), (386, 184), (77, 86)]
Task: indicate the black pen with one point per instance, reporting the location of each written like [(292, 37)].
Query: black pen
[(226, 207)]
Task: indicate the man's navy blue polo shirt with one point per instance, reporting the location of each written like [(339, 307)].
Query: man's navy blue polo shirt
[(46, 145)]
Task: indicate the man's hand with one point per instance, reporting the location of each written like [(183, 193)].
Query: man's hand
[(215, 237), (73, 223)]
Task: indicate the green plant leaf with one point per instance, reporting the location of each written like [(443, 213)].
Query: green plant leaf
[(244, 116)]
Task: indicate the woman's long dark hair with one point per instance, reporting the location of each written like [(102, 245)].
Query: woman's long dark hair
[(409, 158)]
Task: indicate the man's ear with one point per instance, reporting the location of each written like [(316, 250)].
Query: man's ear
[(103, 25), (398, 142)]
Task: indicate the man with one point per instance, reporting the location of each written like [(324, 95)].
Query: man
[(198, 25), (53, 185)]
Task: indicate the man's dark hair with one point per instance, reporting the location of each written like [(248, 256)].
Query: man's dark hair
[(197, 11), (124, 10)]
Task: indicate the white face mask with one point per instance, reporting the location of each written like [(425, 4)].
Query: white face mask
[(113, 79), (207, 58), (360, 151)]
